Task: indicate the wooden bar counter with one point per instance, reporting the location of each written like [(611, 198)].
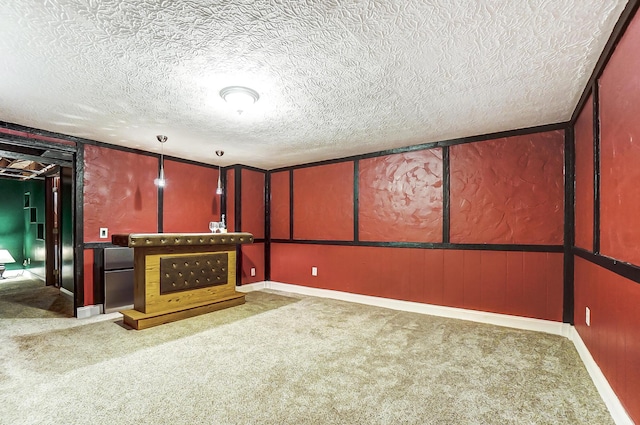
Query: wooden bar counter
[(180, 275)]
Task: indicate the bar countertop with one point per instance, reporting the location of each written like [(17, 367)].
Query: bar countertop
[(133, 240)]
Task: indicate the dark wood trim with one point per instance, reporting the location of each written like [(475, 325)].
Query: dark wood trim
[(29, 143), (78, 206), (432, 245), (43, 144), (267, 226), (7, 151), (187, 161), (596, 168), (616, 35), (160, 190), (356, 196), (620, 268), (237, 180), (431, 145), (25, 142), (122, 148), (98, 276), (446, 195), (49, 239), (291, 204), (249, 168), (237, 201), (43, 133), (569, 225), (148, 153)]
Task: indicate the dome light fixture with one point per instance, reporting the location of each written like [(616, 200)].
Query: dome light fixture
[(239, 97)]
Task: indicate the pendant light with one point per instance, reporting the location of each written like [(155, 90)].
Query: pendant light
[(160, 181), (219, 189)]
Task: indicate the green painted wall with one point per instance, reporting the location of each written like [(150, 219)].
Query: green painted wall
[(34, 248), (12, 215), (18, 233)]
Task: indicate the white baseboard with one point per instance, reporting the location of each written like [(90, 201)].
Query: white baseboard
[(66, 293), (618, 413), (517, 322), (609, 397), (88, 311), (249, 287)]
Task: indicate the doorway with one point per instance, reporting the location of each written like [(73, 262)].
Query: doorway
[(44, 246)]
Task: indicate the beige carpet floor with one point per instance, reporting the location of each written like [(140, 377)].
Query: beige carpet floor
[(286, 359)]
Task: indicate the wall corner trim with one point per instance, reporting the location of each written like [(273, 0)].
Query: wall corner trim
[(618, 412)]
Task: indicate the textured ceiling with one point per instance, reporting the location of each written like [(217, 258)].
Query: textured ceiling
[(335, 78)]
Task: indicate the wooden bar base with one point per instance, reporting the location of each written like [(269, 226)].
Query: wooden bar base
[(181, 275), (139, 320)]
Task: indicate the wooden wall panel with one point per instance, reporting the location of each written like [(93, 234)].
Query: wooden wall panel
[(613, 339), (471, 280), (433, 276), (493, 281), (508, 191), (584, 178), (280, 212), (253, 203), (519, 283), (453, 278), (400, 197), (323, 202), (119, 192), (515, 291), (620, 150), (190, 199)]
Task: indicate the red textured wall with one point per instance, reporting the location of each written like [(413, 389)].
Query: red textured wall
[(88, 259), (509, 190), (119, 192), (280, 217), (520, 283), (252, 256), (190, 200), (253, 203), (584, 177), (323, 202), (613, 339), (620, 150), (400, 197), (230, 193)]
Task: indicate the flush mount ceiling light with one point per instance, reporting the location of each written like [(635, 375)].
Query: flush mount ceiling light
[(160, 181), (239, 97), (219, 189)]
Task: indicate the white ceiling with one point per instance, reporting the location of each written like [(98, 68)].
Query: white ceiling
[(335, 78)]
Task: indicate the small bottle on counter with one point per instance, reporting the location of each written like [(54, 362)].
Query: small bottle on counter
[(223, 225)]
